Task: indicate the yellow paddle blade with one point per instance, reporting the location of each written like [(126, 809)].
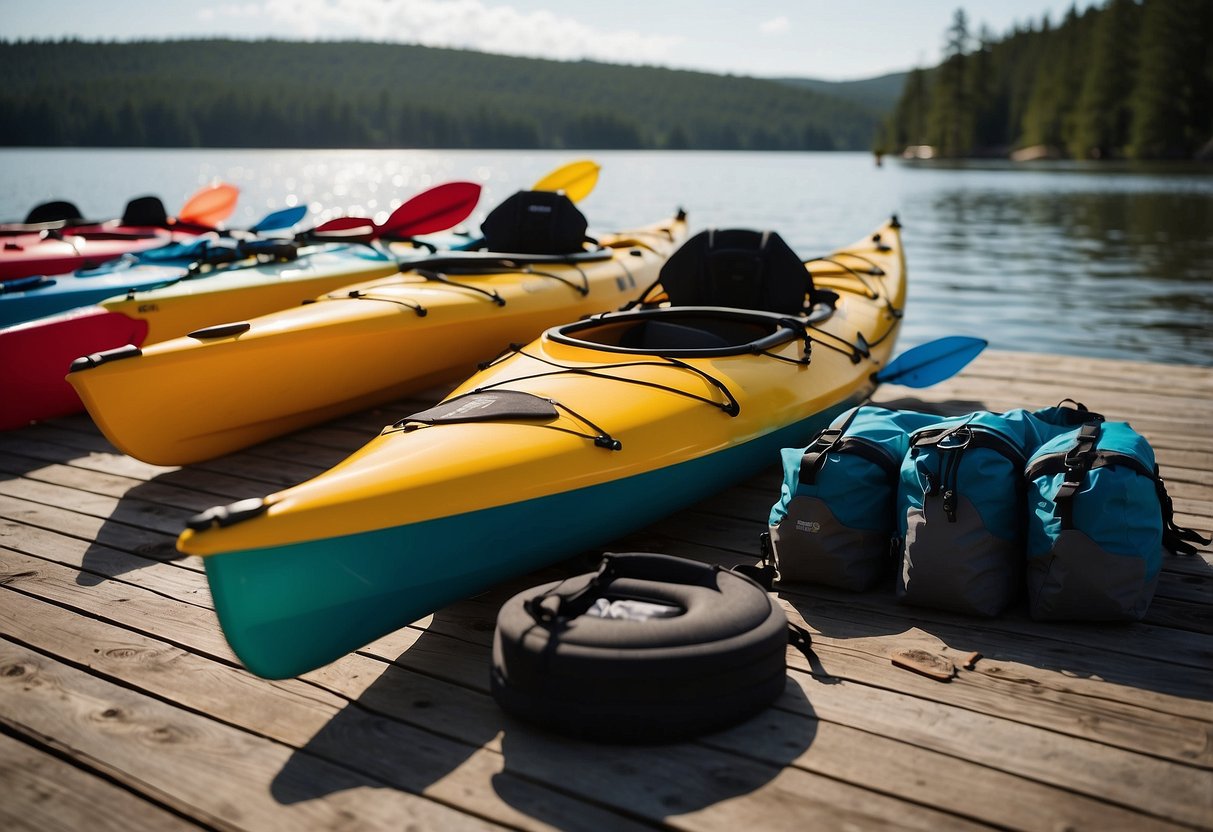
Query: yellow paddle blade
[(211, 205), (576, 179)]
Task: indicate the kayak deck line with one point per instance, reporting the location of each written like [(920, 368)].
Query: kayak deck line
[(120, 693), (343, 352)]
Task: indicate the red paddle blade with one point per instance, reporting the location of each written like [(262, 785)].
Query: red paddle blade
[(210, 206), (439, 208), (344, 227)]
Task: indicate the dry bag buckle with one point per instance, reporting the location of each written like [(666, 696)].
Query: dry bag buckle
[(1078, 461)]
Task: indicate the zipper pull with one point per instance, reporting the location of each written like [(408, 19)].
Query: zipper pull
[(950, 505)]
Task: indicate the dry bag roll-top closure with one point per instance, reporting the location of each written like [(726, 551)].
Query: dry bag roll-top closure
[(978, 508)]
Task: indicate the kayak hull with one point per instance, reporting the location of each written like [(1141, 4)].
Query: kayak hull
[(25, 255), (433, 510), (35, 358), (247, 291), (285, 610), (35, 355), (367, 344), (83, 288)]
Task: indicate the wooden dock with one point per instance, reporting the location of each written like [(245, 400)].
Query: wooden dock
[(122, 707)]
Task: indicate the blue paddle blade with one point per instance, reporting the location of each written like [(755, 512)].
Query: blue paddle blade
[(175, 251), (280, 219), (932, 362)]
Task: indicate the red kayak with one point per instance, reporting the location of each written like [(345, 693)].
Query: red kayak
[(63, 243), (50, 252), (35, 356)]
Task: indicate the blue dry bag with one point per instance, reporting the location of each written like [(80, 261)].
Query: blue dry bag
[(960, 510), (1098, 520), (834, 521)]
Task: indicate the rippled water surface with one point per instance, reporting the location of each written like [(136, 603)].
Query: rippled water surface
[(1071, 259)]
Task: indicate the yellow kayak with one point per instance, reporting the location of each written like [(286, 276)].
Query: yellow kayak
[(598, 427), (182, 306), (225, 387), (329, 259)]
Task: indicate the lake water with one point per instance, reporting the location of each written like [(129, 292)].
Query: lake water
[(1068, 259)]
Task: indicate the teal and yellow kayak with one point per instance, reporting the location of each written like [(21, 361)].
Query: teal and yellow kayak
[(595, 429)]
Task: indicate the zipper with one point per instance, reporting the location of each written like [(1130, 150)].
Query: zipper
[(951, 455)]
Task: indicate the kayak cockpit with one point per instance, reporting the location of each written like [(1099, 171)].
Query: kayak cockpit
[(686, 332)]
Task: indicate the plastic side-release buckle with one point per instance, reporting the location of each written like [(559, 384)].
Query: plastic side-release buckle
[(1078, 461)]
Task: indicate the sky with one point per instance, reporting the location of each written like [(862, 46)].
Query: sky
[(827, 39)]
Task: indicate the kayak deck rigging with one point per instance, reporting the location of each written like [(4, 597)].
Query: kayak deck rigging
[(478, 267), (637, 332), (503, 404)]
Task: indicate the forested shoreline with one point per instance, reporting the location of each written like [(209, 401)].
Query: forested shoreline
[(226, 93), (1130, 79)]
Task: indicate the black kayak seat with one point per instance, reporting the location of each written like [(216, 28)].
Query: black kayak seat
[(535, 222), (739, 268), (145, 211), (56, 211)]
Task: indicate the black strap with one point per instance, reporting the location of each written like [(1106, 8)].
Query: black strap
[(824, 442), (1076, 411), (762, 573), (815, 454), (550, 609), (1175, 539), (964, 436), (1082, 458), (1078, 461)]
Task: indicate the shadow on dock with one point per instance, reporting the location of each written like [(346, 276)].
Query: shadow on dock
[(428, 720)]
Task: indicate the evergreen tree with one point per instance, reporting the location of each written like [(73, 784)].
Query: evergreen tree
[(950, 124), (1135, 76), (908, 124), (333, 94), (1104, 113), (1171, 100), (677, 139), (986, 104)]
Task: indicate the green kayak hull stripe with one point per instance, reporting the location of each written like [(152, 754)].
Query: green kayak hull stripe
[(289, 609)]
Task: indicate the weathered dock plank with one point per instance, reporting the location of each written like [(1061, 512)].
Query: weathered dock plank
[(122, 705)]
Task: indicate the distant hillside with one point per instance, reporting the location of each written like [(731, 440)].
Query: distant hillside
[(221, 93), (879, 95)]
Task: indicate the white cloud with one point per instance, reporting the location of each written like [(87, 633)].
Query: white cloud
[(467, 24), (775, 26)]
